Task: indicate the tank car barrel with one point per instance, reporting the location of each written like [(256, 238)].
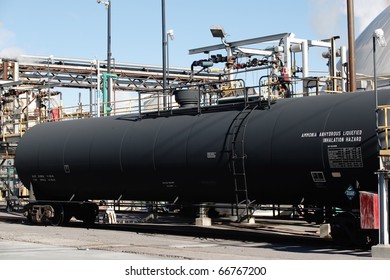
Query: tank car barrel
[(310, 148)]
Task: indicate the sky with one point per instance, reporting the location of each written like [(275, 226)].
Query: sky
[(78, 28)]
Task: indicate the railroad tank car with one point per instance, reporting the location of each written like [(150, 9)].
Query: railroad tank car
[(321, 150)]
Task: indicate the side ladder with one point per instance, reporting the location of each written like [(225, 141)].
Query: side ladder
[(237, 163)]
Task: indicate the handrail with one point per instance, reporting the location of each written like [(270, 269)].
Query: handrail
[(385, 125)]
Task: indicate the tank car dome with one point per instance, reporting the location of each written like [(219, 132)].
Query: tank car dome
[(364, 47)]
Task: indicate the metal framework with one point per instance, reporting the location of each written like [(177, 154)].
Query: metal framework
[(48, 71)]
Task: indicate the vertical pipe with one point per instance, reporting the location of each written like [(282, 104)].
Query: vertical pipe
[(351, 46), (27, 110), (80, 106), (109, 53), (305, 65), (31, 193), (139, 105), (383, 191), (61, 115), (375, 85), (16, 71), (343, 53), (48, 109), (287, 52), (90, 101), (98, 89), (5, 70), (333, 65), (382, 181), (229, 53), (105, 107), (169, 104), (164, 51)]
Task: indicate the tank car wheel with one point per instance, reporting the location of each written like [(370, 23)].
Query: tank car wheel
[(66, 219), (68, 213), (89, 213), (89, 221), (27, 213), (58, 218)]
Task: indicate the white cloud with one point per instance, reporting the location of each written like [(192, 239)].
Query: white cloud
[(5, 35), (326, 16), (329, 15), (7, 48), (367, 11), (11, 52)]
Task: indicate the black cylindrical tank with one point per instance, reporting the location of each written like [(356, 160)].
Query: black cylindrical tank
[(311, 148)]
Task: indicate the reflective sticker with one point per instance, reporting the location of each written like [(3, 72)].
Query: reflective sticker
[(350, 193), (211, 154)]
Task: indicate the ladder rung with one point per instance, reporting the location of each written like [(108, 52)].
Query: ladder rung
[(235, 157), (241, 190)]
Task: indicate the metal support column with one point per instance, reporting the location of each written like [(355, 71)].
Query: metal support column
[(305, 65), (351, 46), (164, 53), (383, 191), (109, 87)]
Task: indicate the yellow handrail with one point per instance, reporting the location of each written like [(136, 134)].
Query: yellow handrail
[(385, 126)]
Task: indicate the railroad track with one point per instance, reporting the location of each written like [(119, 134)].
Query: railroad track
[(264, 230), (274, 232)]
